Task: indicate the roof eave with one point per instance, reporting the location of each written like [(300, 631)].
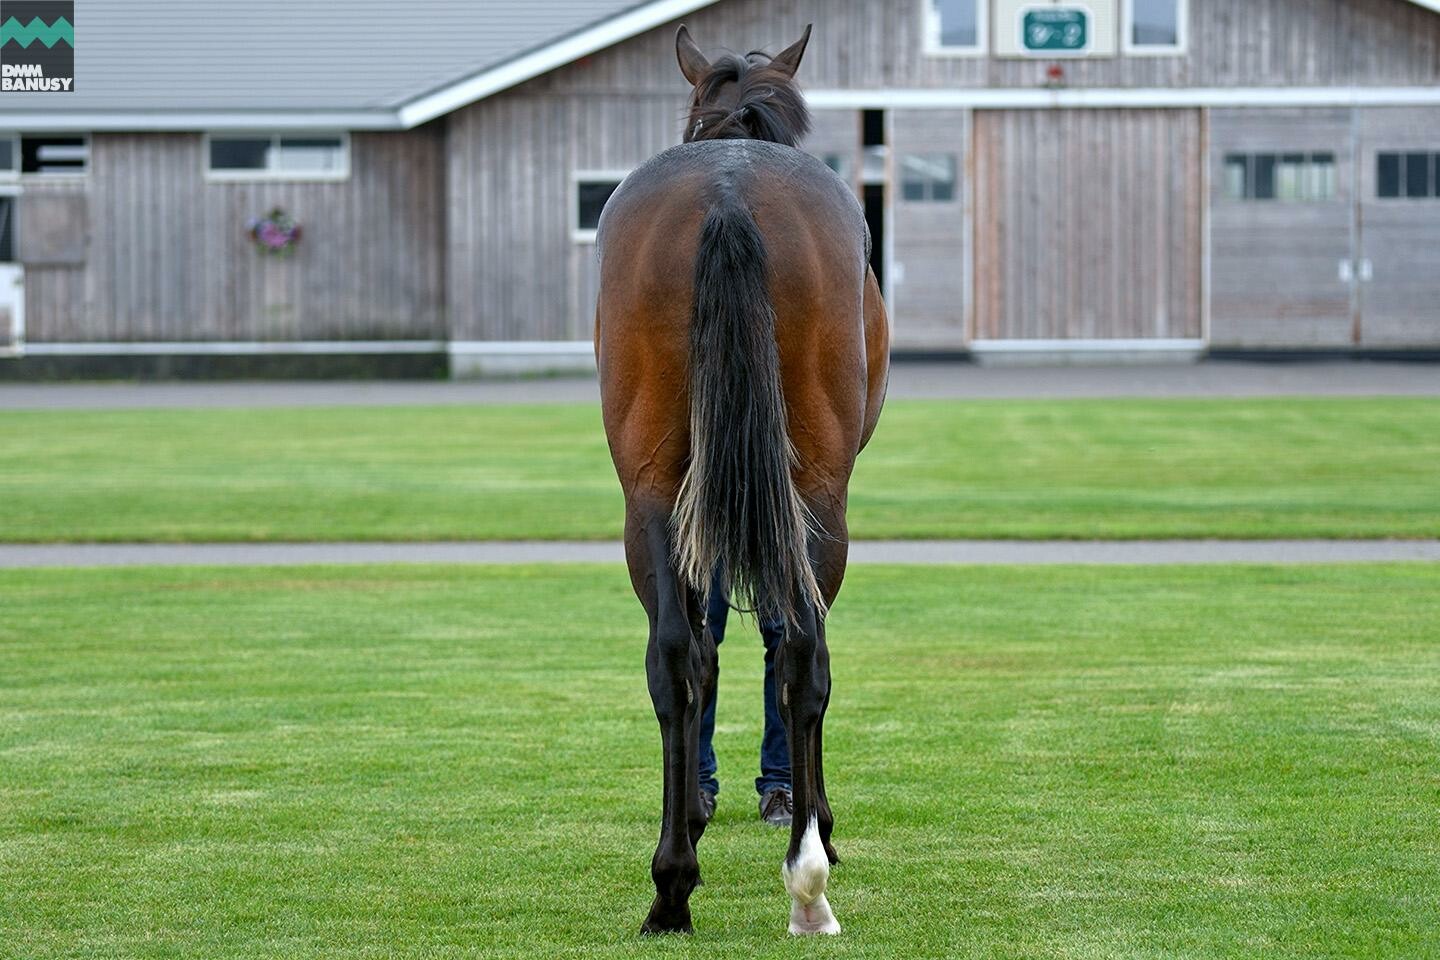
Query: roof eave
[(530, 65), (114, 120)]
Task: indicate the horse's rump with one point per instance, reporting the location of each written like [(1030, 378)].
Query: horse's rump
[(767, 319)]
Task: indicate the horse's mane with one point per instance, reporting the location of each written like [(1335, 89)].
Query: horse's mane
[(769, 106)]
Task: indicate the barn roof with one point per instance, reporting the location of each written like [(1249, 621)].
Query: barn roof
[(366, 64), (361, 62)]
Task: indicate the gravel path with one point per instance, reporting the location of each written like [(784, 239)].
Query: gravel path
[(1214, 378), (864, 551)]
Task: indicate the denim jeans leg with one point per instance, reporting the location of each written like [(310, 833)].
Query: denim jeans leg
[(774, 747), (715, 615)]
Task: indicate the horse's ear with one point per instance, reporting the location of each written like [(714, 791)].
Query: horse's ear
[(788, 60), (692, 62)]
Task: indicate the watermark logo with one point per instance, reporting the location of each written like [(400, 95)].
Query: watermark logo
[(37, 46)]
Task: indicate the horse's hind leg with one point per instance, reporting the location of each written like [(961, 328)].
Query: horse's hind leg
[(828, 554), (709, 680), (804, 674), (805, 693), (673, 667), (824, 818)]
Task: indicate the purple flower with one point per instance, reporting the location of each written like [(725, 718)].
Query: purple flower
[(273, 236), (275, 232)]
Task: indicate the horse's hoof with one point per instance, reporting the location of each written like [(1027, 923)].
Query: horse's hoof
[(817, 917), (667, 920)]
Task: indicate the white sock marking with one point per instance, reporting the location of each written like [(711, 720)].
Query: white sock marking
[(805, 881)]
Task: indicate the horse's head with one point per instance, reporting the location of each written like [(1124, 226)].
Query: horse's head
[(753, 97)]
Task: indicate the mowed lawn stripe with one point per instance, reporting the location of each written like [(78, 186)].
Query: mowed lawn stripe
[(1026, 469), (457, 762)]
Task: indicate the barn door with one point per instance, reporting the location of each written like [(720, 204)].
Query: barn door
[(1087, 224), (928, 227), (1398, 227), (12, 280), (1282, 213)]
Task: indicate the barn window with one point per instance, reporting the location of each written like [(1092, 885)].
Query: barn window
[(592, 190), (1279, 176), (49, 156), (837, 162), (927, 176), (1155, 26), (1413, 174), (275, 156), (954, 26)]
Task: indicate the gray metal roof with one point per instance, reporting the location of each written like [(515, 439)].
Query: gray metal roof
[(266, 55)]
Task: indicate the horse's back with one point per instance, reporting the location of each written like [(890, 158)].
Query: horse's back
[(812, 224), (815, 247)]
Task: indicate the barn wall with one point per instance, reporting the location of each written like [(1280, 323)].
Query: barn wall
[(515, 271), (167, 257), (860, 44), (512, 157), (1352, 270)]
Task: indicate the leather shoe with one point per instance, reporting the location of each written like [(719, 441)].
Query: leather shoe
[(707, 804), (776, 807)]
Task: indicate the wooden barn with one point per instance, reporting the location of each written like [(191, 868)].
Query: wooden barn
[(1093, 178)]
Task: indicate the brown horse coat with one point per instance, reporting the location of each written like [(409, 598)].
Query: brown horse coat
[(743, 351)]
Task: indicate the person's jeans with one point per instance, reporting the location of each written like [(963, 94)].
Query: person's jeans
[(774, 748)]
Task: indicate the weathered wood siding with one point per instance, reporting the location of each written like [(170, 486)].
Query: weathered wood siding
[(1088, 224), (929, 242), (1399, 304), (1275, 266), (515, 272), (167, 256), (54, 287), (862, 44)]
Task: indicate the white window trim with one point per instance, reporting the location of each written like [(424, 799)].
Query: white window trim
[(930, 30), (1182, 33), (16, 174), (576, 233), (269, 176)]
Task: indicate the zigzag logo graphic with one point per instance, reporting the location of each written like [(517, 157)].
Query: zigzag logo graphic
[(37, 29)]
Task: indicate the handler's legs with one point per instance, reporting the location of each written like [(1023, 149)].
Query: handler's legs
[(774, 746)]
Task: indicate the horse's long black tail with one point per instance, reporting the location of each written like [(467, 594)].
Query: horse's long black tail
[(738, 506)]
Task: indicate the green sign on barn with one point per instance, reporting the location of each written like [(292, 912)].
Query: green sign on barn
[(1055, 30)]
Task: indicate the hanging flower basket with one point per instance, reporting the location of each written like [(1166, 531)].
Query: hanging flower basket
[(275, 234)]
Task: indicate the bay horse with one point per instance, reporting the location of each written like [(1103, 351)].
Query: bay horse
[(743, 351)]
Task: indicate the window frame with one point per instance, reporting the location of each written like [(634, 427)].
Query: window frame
[(17, 141), (1402, 182), (928, 184), (577, 233), (930, 32), (1307, 176), (272, 175), (1181, 46)]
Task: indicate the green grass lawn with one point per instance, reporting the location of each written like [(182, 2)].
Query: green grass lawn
[(441, 761), (1284, 467)]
